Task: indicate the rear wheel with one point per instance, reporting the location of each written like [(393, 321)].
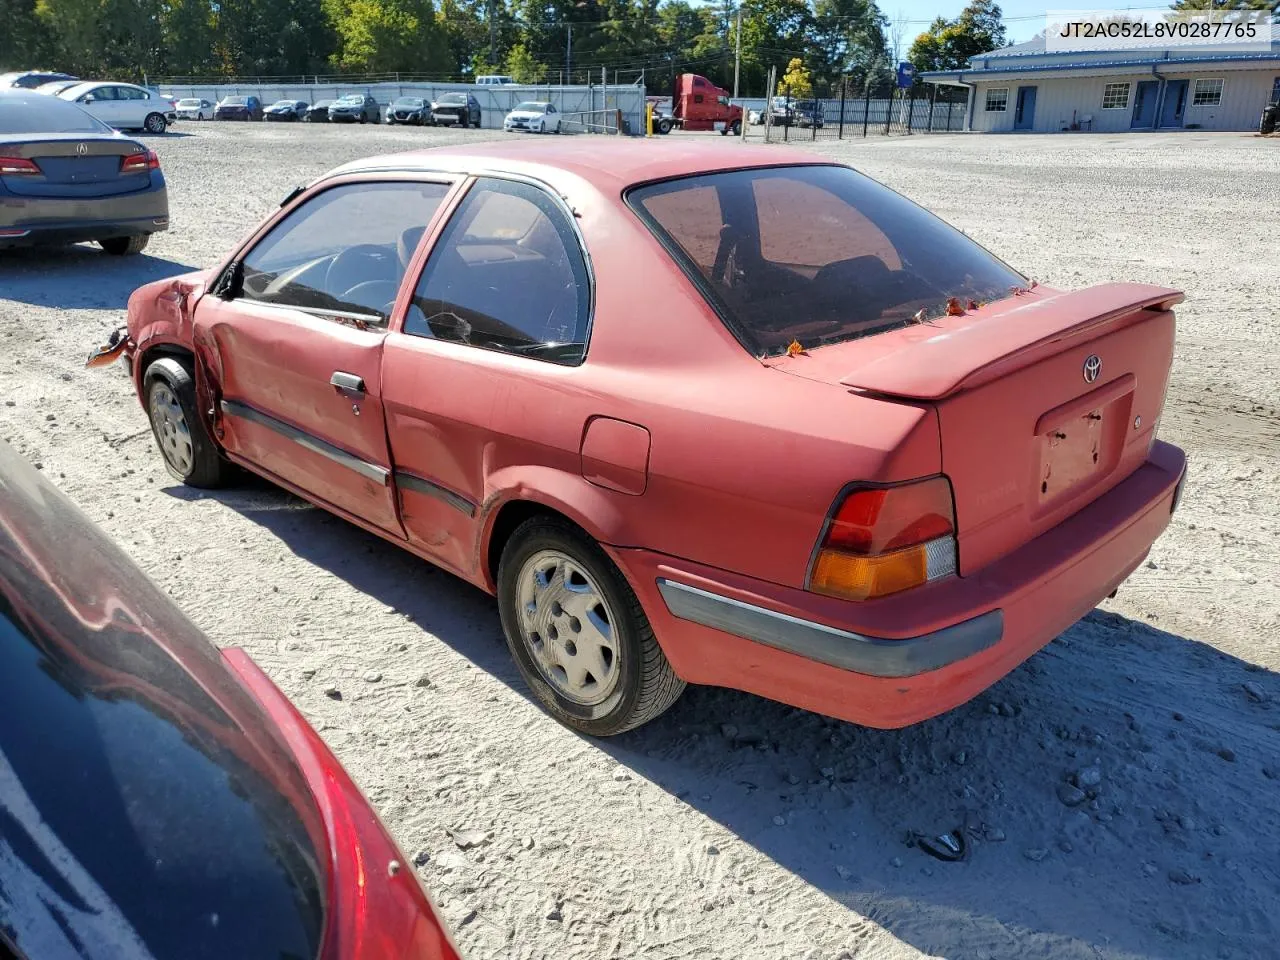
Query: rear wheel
[(664, 126), (737, 128), (578, 634), (154, 123), (189, 453), (125, 246)]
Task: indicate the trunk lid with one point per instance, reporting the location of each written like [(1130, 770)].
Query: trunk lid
[(75, 166), (1045, 401)]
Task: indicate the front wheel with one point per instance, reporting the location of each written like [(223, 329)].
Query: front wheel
[(578, 634), (737, 128), (189, 453), (664, 126), (154, 123)]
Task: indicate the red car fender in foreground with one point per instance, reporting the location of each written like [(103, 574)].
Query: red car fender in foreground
[(378, 908)]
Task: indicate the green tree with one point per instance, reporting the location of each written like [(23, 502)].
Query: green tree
[(188, 37), (849, 41), (24, 39), (388, 36), (949, 44), (521, 66)]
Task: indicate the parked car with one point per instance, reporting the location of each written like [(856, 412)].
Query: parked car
[(807, 113), (163, 800), (30, 79), (1270, 119), (355, 108), (125, 106), (52, 88), (288, 111), (535, 116), (408, 110), (457, 109), (493, 80), (66, 177), (194, 108), (980, 461), (318, 112), (242, 108)]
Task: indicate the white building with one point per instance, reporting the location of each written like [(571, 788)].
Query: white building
[(1024, 88)]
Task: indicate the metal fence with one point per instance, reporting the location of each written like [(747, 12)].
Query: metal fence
[(873, 113)]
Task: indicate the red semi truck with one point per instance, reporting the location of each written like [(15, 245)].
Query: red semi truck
[(699, 104)]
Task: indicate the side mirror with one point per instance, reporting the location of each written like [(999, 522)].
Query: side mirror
[(231, 284), (88, 98)]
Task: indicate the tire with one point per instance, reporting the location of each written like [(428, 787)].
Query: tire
[(154, 123), (189, 453), (125, 246), (736, 129), (664, 126), (640, 684)]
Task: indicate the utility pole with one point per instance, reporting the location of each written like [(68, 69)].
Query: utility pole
[(737, 53), (568, 56), (493, 36)]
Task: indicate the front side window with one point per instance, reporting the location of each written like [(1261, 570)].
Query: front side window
[(1208, 93), (1115, 96), (507, 274), (815, 254), (344, 251), (998, 100)]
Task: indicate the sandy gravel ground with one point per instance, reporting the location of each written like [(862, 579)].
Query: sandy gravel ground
[(1121, 790)]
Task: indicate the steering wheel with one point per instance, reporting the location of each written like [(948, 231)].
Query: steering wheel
[(379, 295), (357, 265)]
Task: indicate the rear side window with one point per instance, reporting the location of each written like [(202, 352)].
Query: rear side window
[(506, 274), (815, 254)]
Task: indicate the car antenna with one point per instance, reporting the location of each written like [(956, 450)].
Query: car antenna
[(292, 193)]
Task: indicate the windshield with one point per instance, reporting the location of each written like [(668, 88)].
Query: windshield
[(453, 98), (188, 103), (531, 107), (353, 98), (39, 113), (285, 103), (235, 101), (815, 254), (408, 102)]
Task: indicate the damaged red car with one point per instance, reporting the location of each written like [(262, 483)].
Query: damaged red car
[(692, 415)]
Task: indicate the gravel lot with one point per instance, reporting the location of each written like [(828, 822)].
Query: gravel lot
[(734, 827)]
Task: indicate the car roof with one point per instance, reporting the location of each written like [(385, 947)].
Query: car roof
[(606, 163)]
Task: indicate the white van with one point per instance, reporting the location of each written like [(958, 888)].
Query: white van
[(493, 80)]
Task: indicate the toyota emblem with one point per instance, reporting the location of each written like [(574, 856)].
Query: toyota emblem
[(82, 149), (1092, 367)]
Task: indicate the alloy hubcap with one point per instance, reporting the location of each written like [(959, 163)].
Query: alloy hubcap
[(171, 428), (568, 628)]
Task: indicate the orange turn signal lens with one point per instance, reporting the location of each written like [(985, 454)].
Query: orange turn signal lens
[(884, 540)]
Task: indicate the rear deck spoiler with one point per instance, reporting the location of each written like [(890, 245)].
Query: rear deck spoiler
[(1028, 331)]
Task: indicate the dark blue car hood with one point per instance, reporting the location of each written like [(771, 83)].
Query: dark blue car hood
[(147, 810)]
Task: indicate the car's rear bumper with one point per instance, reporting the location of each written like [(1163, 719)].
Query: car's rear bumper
[(45, 220), (905, 658)]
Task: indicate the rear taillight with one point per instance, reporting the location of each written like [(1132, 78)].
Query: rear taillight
[(882, 540), (377, 909), (18, 167), (139, 162)]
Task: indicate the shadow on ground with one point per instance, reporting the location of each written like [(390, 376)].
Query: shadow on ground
[(79, 276), (1165, 849)]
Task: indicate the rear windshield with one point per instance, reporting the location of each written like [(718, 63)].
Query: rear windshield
[(40, 113), (815, 254)]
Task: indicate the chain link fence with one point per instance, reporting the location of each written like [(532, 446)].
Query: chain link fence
[(874, 110)]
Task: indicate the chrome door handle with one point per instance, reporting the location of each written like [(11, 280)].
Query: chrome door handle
[(347, 381)]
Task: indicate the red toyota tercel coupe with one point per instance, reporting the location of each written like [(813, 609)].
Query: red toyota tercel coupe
[(731, 417)]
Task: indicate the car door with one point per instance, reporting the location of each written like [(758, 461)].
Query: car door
[(502, 306), (135, 104), (103, 103), (293, 336)]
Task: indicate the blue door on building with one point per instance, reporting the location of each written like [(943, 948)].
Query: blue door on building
[(1144, 104), (1175, 103), (1024, 115)]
